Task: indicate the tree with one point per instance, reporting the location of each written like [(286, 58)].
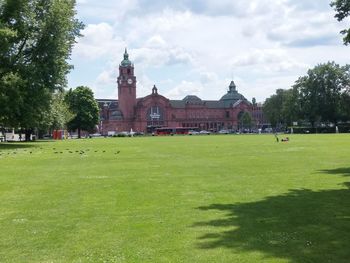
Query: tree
[(282, 108), (246, 120), (342, 8), (82, 104), (58, 115), (321, 92), (291, 111), (36, 39), (254, 102)]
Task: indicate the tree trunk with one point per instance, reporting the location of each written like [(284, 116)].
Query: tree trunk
[(27, 132), (79, 133)]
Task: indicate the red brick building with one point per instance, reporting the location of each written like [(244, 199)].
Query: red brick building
[(147, 113)]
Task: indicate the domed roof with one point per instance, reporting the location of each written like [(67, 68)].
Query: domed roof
[(126, 62), (192, 98), (232, 94)]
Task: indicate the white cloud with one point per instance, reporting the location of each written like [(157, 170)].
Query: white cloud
[(105, 77), (98, 40), (198, 45), (161, 56), (107, 10), (183, 89), (270, 60)]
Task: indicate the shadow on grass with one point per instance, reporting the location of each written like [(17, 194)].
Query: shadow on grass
[(16, 145), (341, 171), (300, 226)]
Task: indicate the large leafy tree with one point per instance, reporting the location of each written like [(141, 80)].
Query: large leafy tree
[(58, 114), (36, 39), (82, 104), (342, 8), (282, 108), (323, 92)]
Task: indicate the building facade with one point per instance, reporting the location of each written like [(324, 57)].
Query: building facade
[(154, 111)]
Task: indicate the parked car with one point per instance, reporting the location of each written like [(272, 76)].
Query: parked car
[(224, 132), (111, 133), (191, 132), (47, 136), (95, 135), (139, 134), (204, 132)]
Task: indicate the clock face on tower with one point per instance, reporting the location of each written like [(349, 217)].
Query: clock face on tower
[(120, 81), (129, 81)]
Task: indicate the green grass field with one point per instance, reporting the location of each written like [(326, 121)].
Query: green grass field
[(228, 198)]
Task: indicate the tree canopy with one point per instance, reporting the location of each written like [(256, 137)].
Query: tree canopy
[(321, 92), (282, 108), (58, 115), (36, 39), (342, 8), (320, 96), (82, 104)]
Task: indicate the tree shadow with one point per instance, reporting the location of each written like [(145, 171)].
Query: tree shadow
[(13, 146), (341, 171), (300, 226)]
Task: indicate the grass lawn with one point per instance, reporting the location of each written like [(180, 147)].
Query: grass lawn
[(228, 198)]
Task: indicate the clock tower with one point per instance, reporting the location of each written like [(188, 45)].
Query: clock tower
[(127, 89)]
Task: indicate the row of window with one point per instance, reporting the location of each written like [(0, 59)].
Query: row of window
[(207, 125)]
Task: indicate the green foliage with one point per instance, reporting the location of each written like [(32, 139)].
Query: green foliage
[(229, 198), (342, 8), (82, 104), (281, 109), (321, 93), (11, 98), (36, 38), (320, 96), (58, 115), (245, 120)]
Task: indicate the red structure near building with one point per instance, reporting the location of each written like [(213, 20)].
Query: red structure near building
[(154, 111)]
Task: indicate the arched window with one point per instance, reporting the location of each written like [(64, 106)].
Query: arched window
[(155, 116)]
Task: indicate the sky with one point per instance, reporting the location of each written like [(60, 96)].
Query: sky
[(196, 47)]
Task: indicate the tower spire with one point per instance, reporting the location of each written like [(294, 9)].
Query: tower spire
[(232, 87), (126, 62), (126, 55)]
